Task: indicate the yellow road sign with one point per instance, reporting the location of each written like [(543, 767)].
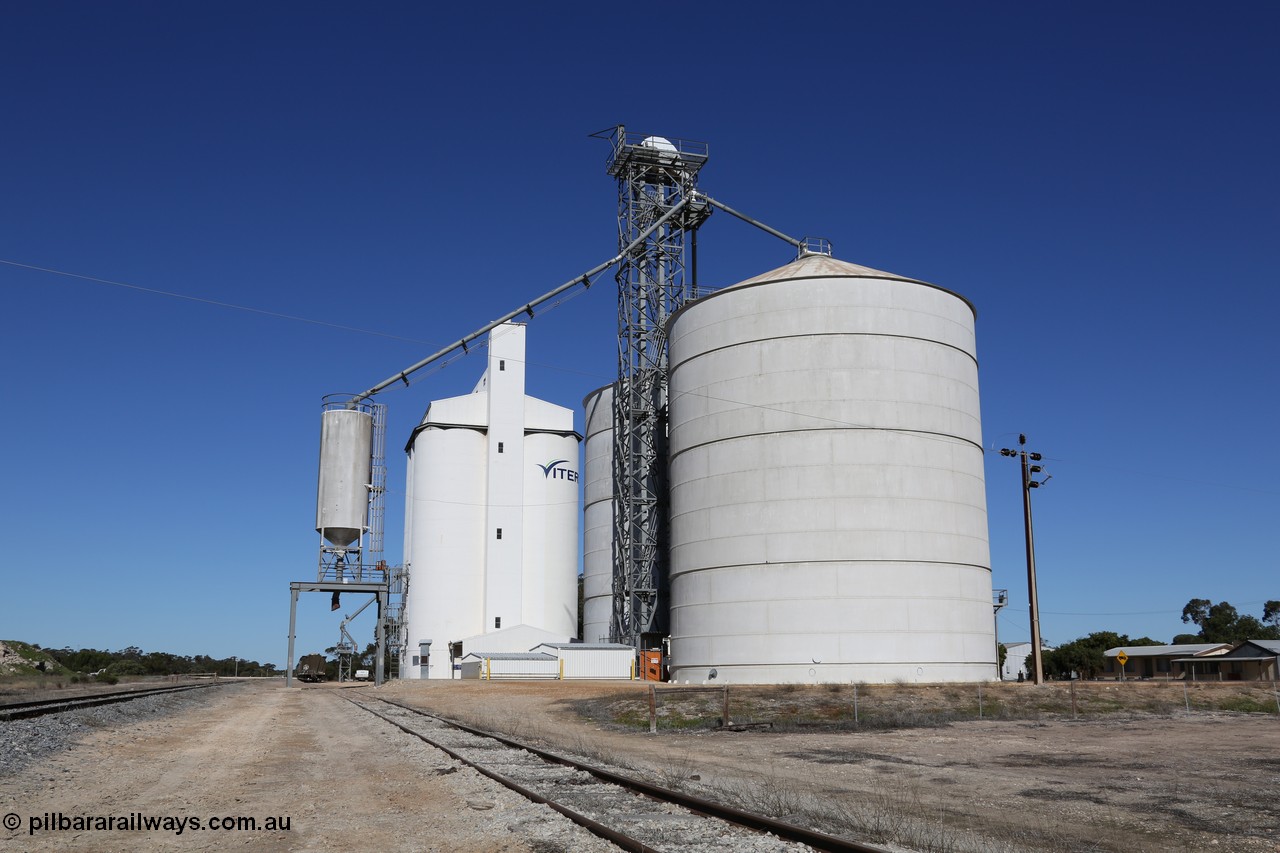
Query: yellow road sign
[(1123, 658)]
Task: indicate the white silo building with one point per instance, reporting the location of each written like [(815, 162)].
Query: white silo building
[(598, 516), (491, 520), (827, 505)]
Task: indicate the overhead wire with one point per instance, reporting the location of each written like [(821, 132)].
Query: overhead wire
[(296, 318), (435, 368), (206, 301)]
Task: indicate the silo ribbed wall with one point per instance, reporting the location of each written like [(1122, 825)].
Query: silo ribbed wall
[(445, 598), (828, 507), (549, 578), (597, 534)]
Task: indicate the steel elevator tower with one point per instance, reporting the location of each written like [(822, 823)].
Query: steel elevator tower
[(655, 277)]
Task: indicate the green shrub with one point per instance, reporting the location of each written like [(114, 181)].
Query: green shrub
[(1246, 705), (126, 667)]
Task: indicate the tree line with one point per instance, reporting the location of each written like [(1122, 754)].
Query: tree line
[(1218, 623), (134, 661), (1221, 623)]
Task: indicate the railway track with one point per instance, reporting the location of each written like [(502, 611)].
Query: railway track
[(636, 816), (43, 707)]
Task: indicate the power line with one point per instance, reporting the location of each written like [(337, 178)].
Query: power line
[(436, 368), (215, 302), (566, 298), (292, 317), (1186, 480), (1155, 474)]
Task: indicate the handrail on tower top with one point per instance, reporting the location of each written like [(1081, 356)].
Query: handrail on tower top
[(631, 147)]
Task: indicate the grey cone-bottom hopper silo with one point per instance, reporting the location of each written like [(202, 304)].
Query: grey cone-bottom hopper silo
[(828, 505), (349, 517), (342, 496)]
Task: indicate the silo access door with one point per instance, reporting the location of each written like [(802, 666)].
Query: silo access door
[(651, 665)]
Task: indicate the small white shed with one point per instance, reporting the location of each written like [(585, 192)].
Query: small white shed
[(496, 665), (592, 660)]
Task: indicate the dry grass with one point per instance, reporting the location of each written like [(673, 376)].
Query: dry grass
[(17, 687), (897, 814), (1044, 794), (792, 707)]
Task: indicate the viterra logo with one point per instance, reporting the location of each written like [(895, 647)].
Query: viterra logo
[(553, 471)]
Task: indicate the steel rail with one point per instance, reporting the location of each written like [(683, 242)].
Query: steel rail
[(707, 808), (43, 707), (626, 842)]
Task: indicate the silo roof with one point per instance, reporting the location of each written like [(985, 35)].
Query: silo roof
[(822, 266), (589, 647), (817, 265), (1159, 651), (510, 656)]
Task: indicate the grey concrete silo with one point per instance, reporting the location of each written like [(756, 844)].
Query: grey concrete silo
[(597, 528), (828, 506)]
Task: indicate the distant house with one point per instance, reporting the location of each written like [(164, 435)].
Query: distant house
[(1186, 660), (1252, 660), (1015, 660)]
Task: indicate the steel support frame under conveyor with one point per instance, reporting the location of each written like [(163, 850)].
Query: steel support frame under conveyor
[(654, 175)]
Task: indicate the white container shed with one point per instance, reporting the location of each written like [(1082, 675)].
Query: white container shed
[(592, 660), (510, 665)]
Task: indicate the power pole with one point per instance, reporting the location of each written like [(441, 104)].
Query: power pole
[(999, 600), (1027, 485)]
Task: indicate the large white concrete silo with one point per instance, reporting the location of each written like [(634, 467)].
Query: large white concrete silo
[(828, 507), (491, 520)]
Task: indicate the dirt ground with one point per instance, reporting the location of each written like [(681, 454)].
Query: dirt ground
[(1120, 782), (348, 782), (343, 779)]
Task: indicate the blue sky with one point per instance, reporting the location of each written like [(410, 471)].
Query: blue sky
[(1100, 180)]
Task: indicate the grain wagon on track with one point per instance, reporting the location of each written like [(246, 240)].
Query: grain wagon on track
[(311, 669)]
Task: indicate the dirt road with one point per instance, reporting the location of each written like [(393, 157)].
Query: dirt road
[(335, 778)]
